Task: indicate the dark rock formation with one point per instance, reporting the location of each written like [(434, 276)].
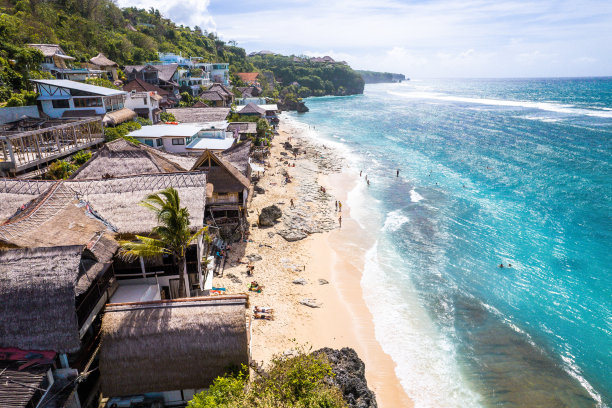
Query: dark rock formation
[(349, 373), (269, 215), (292, 105), (259, 190)]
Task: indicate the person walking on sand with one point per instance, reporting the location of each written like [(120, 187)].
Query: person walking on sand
[(336, 205), (340, 221), (397, 174), (339, 206), (360, 171), (292, 203), (368, 182)]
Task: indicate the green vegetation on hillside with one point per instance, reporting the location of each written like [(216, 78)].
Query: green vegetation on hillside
[(306, 78), (83, 28)]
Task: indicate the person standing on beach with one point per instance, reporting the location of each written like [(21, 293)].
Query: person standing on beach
[(292, 203), (336, 205), (360, 171), (340, 206), (368, 182), (340, 221), (397, 174)]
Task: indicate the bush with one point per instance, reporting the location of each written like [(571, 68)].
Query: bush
[(81, 157), (143, 121), (299, 381), (112, 133), (167, 117), (101, 82), (60, 170)]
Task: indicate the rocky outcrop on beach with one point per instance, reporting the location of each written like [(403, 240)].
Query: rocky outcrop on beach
[(292, 105), (349, 376), (269, 216)]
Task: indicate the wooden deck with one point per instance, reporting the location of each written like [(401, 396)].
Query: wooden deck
[(22, 152)]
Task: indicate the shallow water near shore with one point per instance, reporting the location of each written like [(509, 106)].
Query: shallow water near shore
[(491, 171)]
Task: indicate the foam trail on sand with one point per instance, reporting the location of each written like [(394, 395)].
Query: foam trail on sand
[(425, 359)]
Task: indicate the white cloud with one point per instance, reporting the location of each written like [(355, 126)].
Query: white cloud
[(186, 12), (433, 38)]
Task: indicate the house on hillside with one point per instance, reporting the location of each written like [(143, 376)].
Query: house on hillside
[(243, 130), (145, 104), (60, 98), (267, 111), (229, 173), (164, 76), (170, 350), (186, 137), (138, 85), (58, 63), (219, 95), (106, 65), (194, 79), (219, 73)]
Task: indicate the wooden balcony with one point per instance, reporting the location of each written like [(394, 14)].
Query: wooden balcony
[(21, 152)]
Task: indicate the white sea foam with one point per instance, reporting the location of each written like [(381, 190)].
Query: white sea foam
[(414, 196), (546, 106), (394, 221), (425, 359)]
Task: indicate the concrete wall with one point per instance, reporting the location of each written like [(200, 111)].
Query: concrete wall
[(14, 113)]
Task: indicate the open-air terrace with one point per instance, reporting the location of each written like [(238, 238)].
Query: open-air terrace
[(21, 152)]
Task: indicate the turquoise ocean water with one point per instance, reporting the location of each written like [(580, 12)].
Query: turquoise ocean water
[(491, 171)]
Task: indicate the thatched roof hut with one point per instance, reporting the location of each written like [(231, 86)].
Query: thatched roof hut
[(238, 156), (122, 158), (21, 386), (37, 288), (171, 345), (252, 109), (222, 174), (103, 62), (117, 200)]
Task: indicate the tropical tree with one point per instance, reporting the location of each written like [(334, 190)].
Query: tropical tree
[(171, 237)]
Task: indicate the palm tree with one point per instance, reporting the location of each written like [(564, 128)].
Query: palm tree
[(171, 237)]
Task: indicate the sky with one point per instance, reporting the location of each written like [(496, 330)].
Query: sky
[(421, 39)]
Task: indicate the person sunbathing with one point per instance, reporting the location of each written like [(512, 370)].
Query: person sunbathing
[(263, 316), (258, 309)]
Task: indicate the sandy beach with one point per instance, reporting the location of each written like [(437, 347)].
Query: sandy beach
[(324, 267)]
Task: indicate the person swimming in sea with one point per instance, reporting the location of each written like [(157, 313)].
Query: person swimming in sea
[(501, 265)]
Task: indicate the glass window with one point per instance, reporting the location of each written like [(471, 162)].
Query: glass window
[(60, 103), (158, 142), (87, 102), (149, 142), (178, 141)]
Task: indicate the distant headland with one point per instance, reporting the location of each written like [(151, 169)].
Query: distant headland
[(373, 77)]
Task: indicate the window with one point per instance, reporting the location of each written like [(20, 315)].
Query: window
[(158, 142), (178, 141), (87, 102), (60, 103), (149, 142)]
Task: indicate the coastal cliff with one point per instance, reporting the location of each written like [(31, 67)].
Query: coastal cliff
[(373, 77)]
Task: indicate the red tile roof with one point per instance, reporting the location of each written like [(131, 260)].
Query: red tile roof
[(248, 77)]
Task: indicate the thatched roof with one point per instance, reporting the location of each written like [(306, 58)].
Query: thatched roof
[(19, 386), (212, 96), (200, 104), (166, 71), (223, 90), (37, 288), (223, 175), (119, 116), (50, 50), (102, 61), (117, 199), (238, 156), (15, 194), (200, 115), (122, 158), (171, 345), (251, 108)]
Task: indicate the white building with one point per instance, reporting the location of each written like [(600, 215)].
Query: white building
[(195, 79), (187, 137), (63, 98), (58, 63), (145, 104)]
